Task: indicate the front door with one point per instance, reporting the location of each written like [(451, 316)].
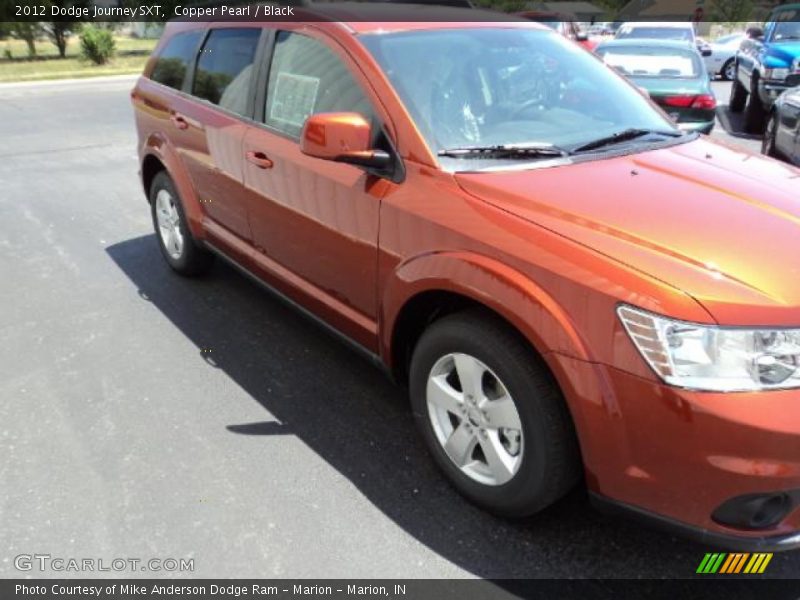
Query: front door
[(316, 220)]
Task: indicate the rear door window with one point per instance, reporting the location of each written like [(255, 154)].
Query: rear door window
[(174, 60), (225, 68)]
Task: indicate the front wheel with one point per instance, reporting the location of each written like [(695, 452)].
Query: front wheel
[(178, 247), (492, 416)]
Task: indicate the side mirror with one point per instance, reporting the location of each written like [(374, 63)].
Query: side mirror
[(342, 137), (706, 51)]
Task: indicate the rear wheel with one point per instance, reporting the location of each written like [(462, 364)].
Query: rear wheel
[(754, 112), (768, 142), (492, 415), (178, 247), (738, 96)]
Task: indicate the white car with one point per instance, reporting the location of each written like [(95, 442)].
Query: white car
[(658, 31), (673, 31), (723, 54)]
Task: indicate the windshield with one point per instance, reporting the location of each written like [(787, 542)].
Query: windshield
[(683, 34), (787, 30), (502, 86), (643, 61)]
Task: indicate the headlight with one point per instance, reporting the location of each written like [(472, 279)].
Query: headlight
[(715, 359), (776, 74)]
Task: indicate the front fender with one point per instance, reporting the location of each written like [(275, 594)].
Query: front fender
[(528, 308), (501, 288)]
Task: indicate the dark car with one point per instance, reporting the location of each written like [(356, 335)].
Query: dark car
[(782, 137), (673, 74)]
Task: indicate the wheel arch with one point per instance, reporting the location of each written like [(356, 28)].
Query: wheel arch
[(151, 166), (428, 287), (159, 155)]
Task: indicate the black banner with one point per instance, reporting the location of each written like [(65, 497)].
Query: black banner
[(707, 11), (438, 589)]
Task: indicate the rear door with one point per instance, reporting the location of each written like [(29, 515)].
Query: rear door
[(213, 122)]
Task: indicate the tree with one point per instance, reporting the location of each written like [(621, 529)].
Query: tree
[(732, 10), (59, 31), (28, 32)]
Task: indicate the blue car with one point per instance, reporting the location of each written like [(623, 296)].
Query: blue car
[(767, 64)]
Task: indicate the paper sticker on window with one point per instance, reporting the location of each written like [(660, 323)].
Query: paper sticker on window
[(294, 98)]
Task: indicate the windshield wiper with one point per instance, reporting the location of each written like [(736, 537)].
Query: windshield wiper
[(623, 136), (527, 150)]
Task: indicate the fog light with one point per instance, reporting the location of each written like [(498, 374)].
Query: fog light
[(754, 511)]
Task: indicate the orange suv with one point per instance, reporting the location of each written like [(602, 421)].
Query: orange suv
[(572, 288)]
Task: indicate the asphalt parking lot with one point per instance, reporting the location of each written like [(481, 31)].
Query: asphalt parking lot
[(145, 415)]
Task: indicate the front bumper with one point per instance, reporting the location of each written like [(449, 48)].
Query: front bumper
[(715, 539), (676, 455)]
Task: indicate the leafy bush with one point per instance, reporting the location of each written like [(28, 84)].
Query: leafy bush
[(97, 45)]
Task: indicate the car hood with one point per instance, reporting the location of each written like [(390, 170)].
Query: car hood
[(784, 51), (718, 223)]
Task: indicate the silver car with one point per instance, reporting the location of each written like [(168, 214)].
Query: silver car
[(723, 54)]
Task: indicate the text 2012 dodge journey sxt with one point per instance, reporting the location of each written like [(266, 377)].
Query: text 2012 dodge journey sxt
[(571, 286)]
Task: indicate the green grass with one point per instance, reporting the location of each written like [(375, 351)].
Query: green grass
[(131, 55)]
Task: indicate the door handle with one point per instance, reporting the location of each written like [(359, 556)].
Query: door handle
[(179, 121), (259, 159)]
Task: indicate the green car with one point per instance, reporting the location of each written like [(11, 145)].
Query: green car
[(672, 72)]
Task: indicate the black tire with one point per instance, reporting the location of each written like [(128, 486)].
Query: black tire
[(723, 72), (738, 97), (193, 258), (768, 141), (550, 463), (754, 113)]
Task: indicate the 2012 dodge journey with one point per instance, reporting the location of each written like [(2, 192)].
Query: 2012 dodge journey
[(571, 287)]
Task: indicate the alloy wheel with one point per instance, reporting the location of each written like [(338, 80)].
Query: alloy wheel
[(169, 224), (475, 419)]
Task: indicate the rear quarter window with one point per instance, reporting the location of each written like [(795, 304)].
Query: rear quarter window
[(174, 60)]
